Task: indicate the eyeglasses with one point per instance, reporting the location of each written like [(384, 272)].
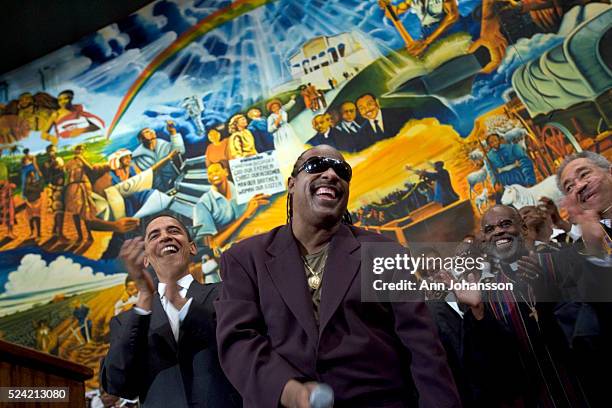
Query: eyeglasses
[(318, 164)]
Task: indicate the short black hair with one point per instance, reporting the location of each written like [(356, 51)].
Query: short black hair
[(68, 92), (346, 217), (490, 135), (366, 94), (166, 214), (139, 136)]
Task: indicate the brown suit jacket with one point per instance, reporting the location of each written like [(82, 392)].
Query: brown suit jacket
[(371, 354)]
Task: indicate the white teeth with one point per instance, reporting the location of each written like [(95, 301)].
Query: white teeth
[(169, 248), (502, 242), (326, 190)]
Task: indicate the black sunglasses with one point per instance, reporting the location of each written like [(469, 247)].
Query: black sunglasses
[(318, 164)]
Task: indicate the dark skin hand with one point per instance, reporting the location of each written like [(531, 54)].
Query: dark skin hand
[(529, 268), (548, 205)]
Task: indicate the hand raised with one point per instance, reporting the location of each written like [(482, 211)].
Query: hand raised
[(472, 298), (529, 268), (132, 255), (255, 202)]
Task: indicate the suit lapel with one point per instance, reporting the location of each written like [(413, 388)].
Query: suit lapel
[(287, 272), (194, 324), (160, 325), (342, 265)]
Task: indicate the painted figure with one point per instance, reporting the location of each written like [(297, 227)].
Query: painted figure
[(286, 142), (77, 193), (152, 150), (258, 125), (70, 120), (241, 142), (510, 164)]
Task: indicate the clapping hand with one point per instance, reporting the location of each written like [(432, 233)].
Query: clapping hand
[(132, 254), (529, 268)]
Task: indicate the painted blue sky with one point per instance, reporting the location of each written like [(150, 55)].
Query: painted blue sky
[(229, 68)]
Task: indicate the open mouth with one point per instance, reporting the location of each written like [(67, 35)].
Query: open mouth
[(585, 195), (169, 250), (503, 243), (326, 193)]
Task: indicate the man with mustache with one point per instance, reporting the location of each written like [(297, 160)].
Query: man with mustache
[(163, 350), (290, 314), (585, 179), (383, 123), (521, 322)]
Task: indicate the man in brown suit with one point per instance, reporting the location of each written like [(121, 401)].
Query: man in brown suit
[(290, 313)]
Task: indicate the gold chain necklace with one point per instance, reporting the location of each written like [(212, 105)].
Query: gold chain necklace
[(314, 280)]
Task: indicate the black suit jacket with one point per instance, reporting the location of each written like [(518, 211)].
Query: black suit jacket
[(371, 354), (331, 139), (145, 361), (393, 120)]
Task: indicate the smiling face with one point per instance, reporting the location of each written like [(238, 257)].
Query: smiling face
[(319, 199), (368, 107), (217, 175), (168, 248), (502, 230), (591, 183)]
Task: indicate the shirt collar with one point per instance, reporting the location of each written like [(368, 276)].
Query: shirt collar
[(216, 194), (184, 283), (607, 222), (379, 118)]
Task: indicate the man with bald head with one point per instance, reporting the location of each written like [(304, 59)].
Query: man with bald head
[(290, 314), (524, 355), (163, 350)]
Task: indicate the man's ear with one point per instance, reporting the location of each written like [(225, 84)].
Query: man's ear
[(524, 228), (146, 262), (290, 184), (193, 250)]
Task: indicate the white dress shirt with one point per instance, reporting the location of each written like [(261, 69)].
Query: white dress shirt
[(379, 118), (576, 233), (175, 317)]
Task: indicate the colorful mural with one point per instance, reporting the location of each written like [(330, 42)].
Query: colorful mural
[(200, 108)]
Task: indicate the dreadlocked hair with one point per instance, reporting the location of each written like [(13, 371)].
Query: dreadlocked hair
[(346, 217)]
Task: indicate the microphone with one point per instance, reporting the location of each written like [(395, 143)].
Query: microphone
[(322, 396)]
